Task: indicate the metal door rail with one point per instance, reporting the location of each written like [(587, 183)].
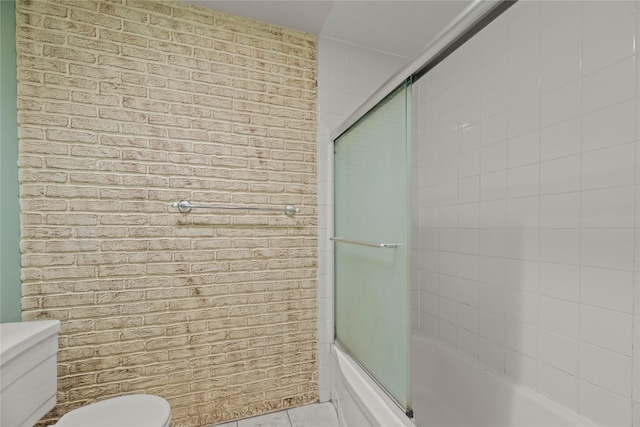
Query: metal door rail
[(370, 245)]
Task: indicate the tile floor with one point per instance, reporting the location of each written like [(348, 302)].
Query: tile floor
[(314, 415)]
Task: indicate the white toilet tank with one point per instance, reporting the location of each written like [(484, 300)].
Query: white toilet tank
[(28, 371)]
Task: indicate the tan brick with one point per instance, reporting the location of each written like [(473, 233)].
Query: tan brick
[(94, 98), (31, 162), (145, 54), (45, 8), (70, 246), (70, 192), (140, 29), (29, 19), (170, 23), (119, 348), (68, 54), (95, 152), (188, 62), (122, 89), (120, 62), (123, 12), (43, 205), (25, 118), (144, 80), (29, 104), (213, 55), (164, 46), (41, 35), (95, 179), (227, 92), (119, 323), (151, 6), (42, 92), (45, 233), (141, 129), (214, 32), (32, 190), (51, 301), (69, 163), (93, 365), (70, 109), (192, 159), (119, 166), (94, 18), (170, 121), (67, 26), (212, 102), (171, 96), (123, 193), (28, 47), (97, 125), (145, 105), (189, 134), (122, 115), (191, 111), (92, 44), (194, 15), (188, 86), (45, 260), (120, 270)]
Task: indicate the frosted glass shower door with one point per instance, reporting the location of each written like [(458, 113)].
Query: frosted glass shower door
[(371, 199)]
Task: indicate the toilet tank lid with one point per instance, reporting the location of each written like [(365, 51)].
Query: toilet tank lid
[(16, 337), (133, 410)]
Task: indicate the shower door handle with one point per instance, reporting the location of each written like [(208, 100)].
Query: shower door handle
[(370, 245)]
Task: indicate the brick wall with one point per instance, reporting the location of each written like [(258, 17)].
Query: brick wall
[(125, 107)]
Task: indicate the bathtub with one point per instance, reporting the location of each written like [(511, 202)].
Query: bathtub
[(449, 389)]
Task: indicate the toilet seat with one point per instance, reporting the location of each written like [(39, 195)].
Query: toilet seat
[(134, 410)]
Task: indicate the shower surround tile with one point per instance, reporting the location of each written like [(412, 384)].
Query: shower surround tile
[(609, 45), (559, 386), (564, 321), (610, 289), (559, 351)]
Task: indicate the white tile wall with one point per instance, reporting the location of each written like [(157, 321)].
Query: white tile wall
[(540, 141), (347, 76)]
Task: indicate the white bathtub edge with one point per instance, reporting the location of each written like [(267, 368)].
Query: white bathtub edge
[(358, 398)]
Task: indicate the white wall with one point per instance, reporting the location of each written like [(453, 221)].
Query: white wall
[(347, 76), (529, 203)]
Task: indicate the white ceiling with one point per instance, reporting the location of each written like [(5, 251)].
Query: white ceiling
[(402, 27)]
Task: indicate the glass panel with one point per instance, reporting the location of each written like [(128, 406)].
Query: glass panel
[(372, 206)]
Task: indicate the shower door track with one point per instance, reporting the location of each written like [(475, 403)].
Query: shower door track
[(408, 411)]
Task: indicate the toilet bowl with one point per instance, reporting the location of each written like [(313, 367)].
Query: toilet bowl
[(134, 410)]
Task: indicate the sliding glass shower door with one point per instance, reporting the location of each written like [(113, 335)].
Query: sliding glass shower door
[(372, 310)]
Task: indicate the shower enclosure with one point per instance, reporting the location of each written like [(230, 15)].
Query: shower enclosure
[(521, 258), (372, 243)]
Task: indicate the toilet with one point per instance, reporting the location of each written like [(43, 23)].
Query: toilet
[(28, 382)]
